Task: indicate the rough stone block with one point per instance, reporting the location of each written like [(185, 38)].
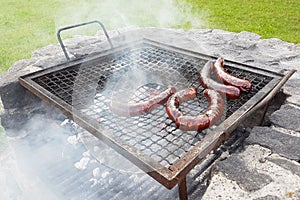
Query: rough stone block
[(248, 36), (286, 164), (243, 44), (13, 95), (235, 169), (13, 121), (280, 143), (287, 116), (292, 85), (294, 99), (291, 88), (268, 197), (224, 184)]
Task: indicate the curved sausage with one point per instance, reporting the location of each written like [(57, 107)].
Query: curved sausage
[(199, 122), (216, 106), (222, 75), (206, 81), (174, 101), (192, 123), (135, 109)]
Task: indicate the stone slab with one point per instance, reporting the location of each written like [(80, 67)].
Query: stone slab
[(14, 95), (291, 88), (280, 143), (268, 197), (287, 116), (284, 185), (294, 99), (292, 166), (235, 169)]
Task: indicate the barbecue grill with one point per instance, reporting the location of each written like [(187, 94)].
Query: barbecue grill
[(84, 87)]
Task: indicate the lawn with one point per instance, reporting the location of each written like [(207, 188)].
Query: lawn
[(268, 18), (28, 25)]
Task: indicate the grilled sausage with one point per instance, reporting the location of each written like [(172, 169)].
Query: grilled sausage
[(223, 76), (199, 122), (174, 101), (206, 81), (192, 123), (135, 109), (216, 106)]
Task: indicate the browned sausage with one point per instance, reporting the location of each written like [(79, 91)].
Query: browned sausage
[(199, 122), (216, 105), (206, 81), (192, 123), (174, 101), (135, 109), (229, 79)]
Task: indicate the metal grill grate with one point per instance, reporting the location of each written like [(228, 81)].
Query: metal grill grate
[(154, 133), (84, 88)]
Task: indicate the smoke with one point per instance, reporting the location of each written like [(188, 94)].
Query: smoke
[(40, 143), (118, 14), (115, 14), (46, 149), (21, 180)]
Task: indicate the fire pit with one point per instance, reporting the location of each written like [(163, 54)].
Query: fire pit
[(83, 88)]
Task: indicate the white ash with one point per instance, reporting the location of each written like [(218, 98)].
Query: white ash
[(82, 164), (96, 172), (73, 139)]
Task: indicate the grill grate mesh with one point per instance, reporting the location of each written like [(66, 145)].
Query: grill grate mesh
[(135, 74)]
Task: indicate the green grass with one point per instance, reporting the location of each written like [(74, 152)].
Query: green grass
[(24, 26), (28, 25), (268, 18)]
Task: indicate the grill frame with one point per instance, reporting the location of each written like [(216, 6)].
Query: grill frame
[(175, 173)]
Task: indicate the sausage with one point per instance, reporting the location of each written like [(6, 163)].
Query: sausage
[(202, 121), (174, 101), (223, 76), (135, 109), (172, 108), (192, 123), (216, 106), (206, 81), (199, 122)]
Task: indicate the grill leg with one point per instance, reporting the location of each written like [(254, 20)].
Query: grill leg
[(183, 190)]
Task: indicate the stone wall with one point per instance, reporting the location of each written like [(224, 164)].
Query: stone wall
[(243, 47), (268, 166)]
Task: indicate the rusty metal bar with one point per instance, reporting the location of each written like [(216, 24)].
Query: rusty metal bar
[(265, 100), (271, 94), (77, 25), (182, 188), (123, 135)]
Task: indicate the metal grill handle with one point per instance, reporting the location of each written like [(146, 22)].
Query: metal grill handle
[(77, 25)]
